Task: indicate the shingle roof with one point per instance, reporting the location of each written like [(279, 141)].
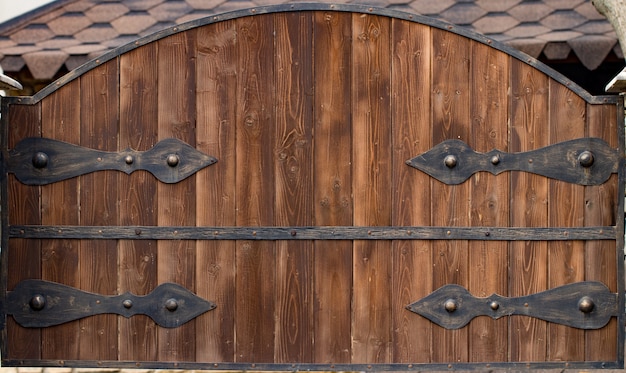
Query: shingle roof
[(70, 32)]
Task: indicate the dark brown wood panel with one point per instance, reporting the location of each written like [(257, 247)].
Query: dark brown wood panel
[(177, 202), (99, 195), (137, 258), (411, 131), (450, 204), (216, 105), (489, 196), (332, 176)]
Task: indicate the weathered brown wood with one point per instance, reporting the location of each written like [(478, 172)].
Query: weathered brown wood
[(600, 207), (529, 195), (98, 206), (60, 119), (23, 208), (450, 111), (489, 198), (333, 185), (566, 208), (255, 183), (294, 186), (137, 259), (216, 105), (177, 202), (412, 269)]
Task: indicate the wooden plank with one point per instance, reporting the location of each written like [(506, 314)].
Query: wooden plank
[(98, 201), (449, 206), (566, 209), (60, 113), (601, 207), (294, 185), (332, 192), (216, 105), (176, 202), (23, 208), (411, 124), (255, 193), (371, 149), (489, 198), (529, 194), (138, 259)]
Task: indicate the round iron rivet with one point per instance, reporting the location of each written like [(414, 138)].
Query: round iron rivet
[(37, 302), (450, 305), (494, 305), (450, 161), (172, 160), (495, 160), (129, 159), (585, 158), (585, 304), (40, 160), (127, 303), (171, 304)]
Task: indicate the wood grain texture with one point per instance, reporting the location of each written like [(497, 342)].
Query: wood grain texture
[(600, 206), (60, 115), (98, 200), (177, 202), (216, 105), (450, 204), (138, 205), (489, 198), (294, 186), (23, 206), (411, 131), (255, 183), (528, 270), (333, 185)]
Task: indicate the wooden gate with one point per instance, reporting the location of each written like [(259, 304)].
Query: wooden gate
[(313, 187)]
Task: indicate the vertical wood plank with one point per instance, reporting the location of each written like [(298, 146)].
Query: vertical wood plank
[(23, 208), (333, 180), (449, 206), (176, 202), (256, 261), (60, 114), (138, 202), (489, 198), (98, 201), (601, 209), (529, 196), (411, 124), (294, 185), (371, 149), (566, 209), (216, 105)]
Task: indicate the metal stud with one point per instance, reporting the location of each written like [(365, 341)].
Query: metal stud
[(495, 160), (37, 302), (450, 305), (450, 161), (585, 304), (494, 305), (40, 160), (585, 158), (129, 159), (172, 160), (171, 304), (127, 303)]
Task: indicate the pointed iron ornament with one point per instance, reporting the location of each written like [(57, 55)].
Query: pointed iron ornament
[(583, 305), (39, 304), (585, 161), (40, 161)]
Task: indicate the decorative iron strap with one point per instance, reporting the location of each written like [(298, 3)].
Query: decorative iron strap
[(583, 305), (40, 161), (39, 304), (585, 161), (312, 233)]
